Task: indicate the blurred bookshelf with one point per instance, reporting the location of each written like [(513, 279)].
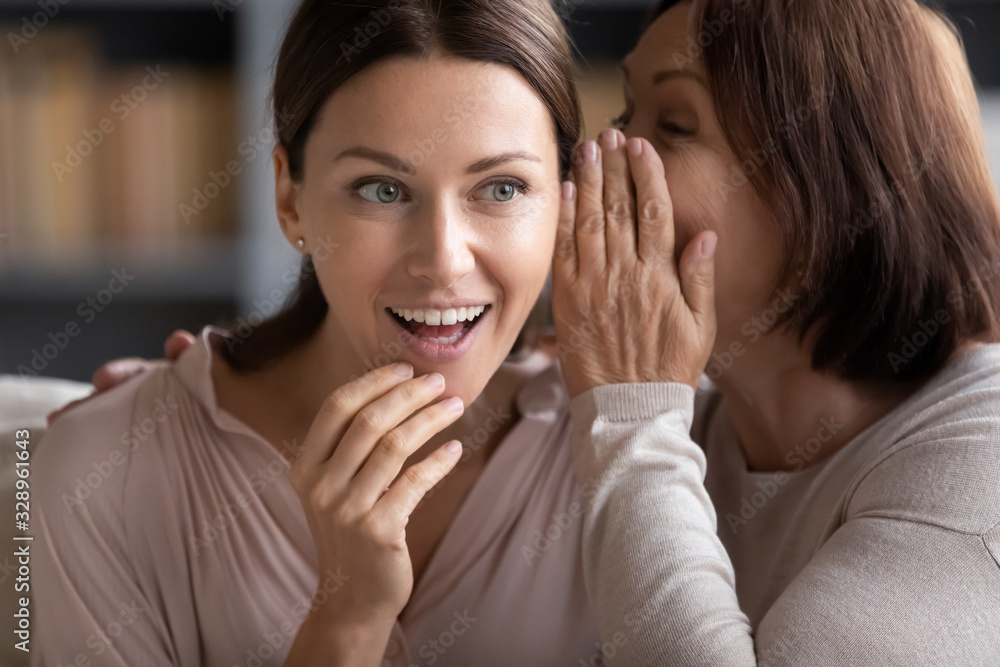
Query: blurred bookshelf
[(118, 156)]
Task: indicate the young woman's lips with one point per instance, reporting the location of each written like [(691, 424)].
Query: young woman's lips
[(442, 343)]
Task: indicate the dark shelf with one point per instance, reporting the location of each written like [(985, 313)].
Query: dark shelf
[(143, 32)]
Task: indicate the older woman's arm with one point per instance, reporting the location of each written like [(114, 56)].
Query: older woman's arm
[(656, 572), (896, 583)]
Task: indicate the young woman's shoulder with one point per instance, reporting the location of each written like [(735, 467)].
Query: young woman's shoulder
[(87, 453)]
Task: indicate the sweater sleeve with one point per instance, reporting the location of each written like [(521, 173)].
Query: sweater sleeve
[(881, 590), (659, 578)]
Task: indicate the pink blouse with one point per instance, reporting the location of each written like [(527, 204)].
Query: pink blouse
[(167, 533)]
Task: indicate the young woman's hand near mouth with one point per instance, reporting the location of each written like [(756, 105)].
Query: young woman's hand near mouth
[(357, 513)]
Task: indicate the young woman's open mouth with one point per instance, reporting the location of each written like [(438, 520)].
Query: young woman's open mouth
[(439, 334)]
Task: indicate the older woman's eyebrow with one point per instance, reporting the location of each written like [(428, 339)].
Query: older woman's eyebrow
[(388, 159), (667, 74), (489, 163)]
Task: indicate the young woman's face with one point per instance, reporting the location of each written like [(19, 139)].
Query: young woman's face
[(432, 184), (668, 102)]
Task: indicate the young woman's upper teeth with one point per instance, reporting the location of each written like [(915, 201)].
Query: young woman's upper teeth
[(437, 317)]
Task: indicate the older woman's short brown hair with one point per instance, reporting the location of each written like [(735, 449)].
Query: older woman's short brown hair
[(856, 122)]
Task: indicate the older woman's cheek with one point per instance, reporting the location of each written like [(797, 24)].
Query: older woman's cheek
[(697, 207)]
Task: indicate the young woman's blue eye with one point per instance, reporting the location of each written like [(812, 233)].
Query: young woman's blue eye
[(380, 193), (502, 191)]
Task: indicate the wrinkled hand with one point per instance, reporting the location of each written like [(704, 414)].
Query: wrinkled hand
[(624, 310), (115, 372), (357, 514)]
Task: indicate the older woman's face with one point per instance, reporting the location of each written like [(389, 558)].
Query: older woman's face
[(669, 103), (431, 181)]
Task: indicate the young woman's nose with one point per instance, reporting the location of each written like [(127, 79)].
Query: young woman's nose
[(441, 249)]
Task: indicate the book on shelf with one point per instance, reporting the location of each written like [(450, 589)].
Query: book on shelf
[(95, 155)]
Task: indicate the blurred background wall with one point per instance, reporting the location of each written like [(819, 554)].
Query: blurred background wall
[(136, 193)]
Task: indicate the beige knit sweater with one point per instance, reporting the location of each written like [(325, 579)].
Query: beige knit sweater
[(886, 553)]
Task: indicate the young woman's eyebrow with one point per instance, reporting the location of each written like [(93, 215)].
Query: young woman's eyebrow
[(388, 159), (399, 164), (495, 161)]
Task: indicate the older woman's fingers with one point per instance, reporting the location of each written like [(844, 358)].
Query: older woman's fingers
[(697, 273), (619, 198), (565, 262), (55, 414), (590, 243), (655, 210), (179, 341)]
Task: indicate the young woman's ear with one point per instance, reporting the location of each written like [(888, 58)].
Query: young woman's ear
[(286, 192)]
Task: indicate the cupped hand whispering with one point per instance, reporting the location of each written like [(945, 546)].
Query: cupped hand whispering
[(625, 309)]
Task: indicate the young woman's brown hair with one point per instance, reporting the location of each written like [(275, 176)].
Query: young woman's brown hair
[(868, 150), (329, 41)]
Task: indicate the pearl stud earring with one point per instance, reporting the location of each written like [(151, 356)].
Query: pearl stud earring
[(301, 243)]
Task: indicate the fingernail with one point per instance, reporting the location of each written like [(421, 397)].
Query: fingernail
[(568, 191), (708, 245), (590, 152), (434, 380), (609, 139), (403, 370), (454, 447), (454, 404), (634, 147)]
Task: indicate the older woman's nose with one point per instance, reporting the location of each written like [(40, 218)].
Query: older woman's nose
[(441, 250)]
